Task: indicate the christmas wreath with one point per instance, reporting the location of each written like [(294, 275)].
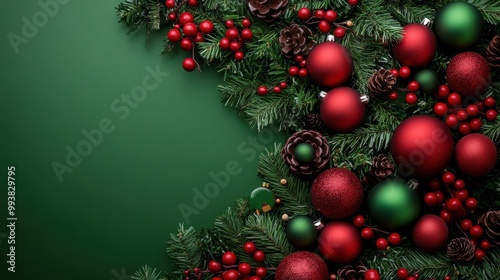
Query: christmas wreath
[(391, 168)]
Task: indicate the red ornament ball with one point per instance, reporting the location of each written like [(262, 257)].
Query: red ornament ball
[(337, 193), (476, 154), (430, 233), (422, 147), (329, 65), (340, 242), (468, 73), (302, 265), (342, 109), (418, 47)]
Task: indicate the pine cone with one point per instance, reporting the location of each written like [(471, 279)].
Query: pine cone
[(314, 122), (352, 272), (381, 82), (295, 39), (493, 52), (321, 150), (490, 222), (267, 10), (461, 250), (382, 167)]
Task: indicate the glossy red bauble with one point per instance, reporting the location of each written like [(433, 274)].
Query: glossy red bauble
[(302, 265), (329, 65), (340, 242), (476, 154), (418, 47), (468, 73), (430, 233), (342, 109)]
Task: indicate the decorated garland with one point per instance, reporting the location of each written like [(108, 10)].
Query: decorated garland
[(391, 170)]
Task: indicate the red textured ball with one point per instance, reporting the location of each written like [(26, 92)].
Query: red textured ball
[(422, 147), (337, 193), (342, 109), (329, 65), (302, 266), (468, 73), (418, 47), (340, 242), (430, 233), (476, 154)]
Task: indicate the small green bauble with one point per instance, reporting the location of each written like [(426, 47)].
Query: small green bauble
[(459, 25), (301, 232), (262, 199), (428, 80), (304, 153), (392, 204)]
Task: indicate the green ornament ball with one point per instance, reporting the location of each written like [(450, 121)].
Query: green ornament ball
[(458, 25), (393, 204), (428, 80), (301, 232), (262, 199), (304, 153)]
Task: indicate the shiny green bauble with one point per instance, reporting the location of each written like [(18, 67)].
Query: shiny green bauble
[(428, 80), (262, 199), (458, 25), (304, 153), (301, 232), (393, 205)]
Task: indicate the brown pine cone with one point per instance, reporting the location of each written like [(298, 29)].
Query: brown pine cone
[(321, 152), (382, 167), (314, 122), (490, 222), (352, 272), (267, 10), (493, 52), (381, 82), (461, 250), (295, 39)]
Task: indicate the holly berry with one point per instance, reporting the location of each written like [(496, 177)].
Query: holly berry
[(485, 245), (192, 2), (404, 72), (174, 35), (293, 71), (186, 44), (246, 34), (403, 273), (372, 274), (234, 46), (199, 38), (189, 64), (249, 247), (319, 13), (462, 195), (413, 86), (459, 184), (197, 270), (440, 196), (304, 14), (187, 272), (190, 29), (359, 221), (239, 55), (232, 34), (453, 204), (476, 232), (471, 203), (231, 275), (394, 239), (299, 58), (395, 72), (277, 89), (352, 2), (170, 4), (431, 199), (177, 26), (224, 43), (411, 98), (172, 16), (229, 258), (206, 27), (479, 255), (489, 102), (448, 178), (339, 32), (254, 278), (381, 243), (412, 278), (446, 216), (330, 16), (464, 128), (302, 72), (283, 85), (491, 115), (246, 23), (262, 90), (259, 256), (303, 63), (451, 120), (367, 233), (466, 225), (454, 99), (440, 109), (434, 184), (443, 92), (244, 269), (261, 272), (229, 23), (186, 17), (472, 110), (447, 277), (214, 266), (324, 26), (217, 278), (475, 124)]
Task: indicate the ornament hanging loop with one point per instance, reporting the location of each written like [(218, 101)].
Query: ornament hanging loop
[(413, 184), (426, 22), (330, 38), (322, 94), (365, 98)]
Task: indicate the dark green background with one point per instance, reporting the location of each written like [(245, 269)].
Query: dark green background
[(116, 209)]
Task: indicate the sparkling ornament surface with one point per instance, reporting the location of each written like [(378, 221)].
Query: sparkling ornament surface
[(301, 232), (340, 242), (459, 25), (476, 154), (468, 74), (302, 266), (304, 153), (329, 65), (393, 204), (342, 109), (422, 147), (418, 47), (430, 233), (337, 193), (427, 80), (262, 199)]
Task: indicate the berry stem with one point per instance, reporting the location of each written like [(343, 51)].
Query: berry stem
[(179, 6), (192, 56)]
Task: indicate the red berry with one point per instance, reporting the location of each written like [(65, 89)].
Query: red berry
[(447, 277), (489, 102), (476, 232), (359, 221), (479, 255), (303, 63), (304, 14), (330, 16), (412, 278), (440, 196), (462, 195), (448, 178), (249, 247), (431, 199), (277, 89), (246, 34), (472, 110), (261, 272), (491, 115), (446, 216), (352, 2), (394, 239), (246, 23), (187, 272), (462, 115), (232, 34), (471, 203), (395, 72), (174, 35), (229, 23), (224, 43), (372, 274), (189, 64), (244, 269), (197, 270), (411, 98), (206, 27), (259, 256), (324, 26), (454, 100), (403, 273), (283, 85), (367, 233), (192, 2), (239, 55), (172, 16), (485, 245), (451, 120), (186, 17), (231, 275), (459, 184), (214, 266), (199, 38), (217, 278), (262, 90), (190, 29), (464, 128), (466, 224), (319, 13), (229, 258), (480, 106), (435, 184), (339, 32), (413, 86), (440, 109), (404, 72), (302, 72), (234, 46), (453, 204), (170, 4), (299, 58), (475, 124), (382, 243), (443, 92), (177, 26), (393, 95), (254, 278), (293, 71), (186, 44)]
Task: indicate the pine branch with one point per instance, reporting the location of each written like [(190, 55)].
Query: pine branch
[(183, 248), (147, 273), (492, 130), (490, 9), (373, 137), (376, 22)]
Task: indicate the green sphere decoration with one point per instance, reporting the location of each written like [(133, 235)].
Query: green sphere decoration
[(301, 232), (428, 80), (459, 25), (262, 199), (304, 153), (393, 204)]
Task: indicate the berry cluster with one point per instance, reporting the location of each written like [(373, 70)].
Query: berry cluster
[(263, 90), (325, 21), (235, 39), (411, 89), (382, 242), (404, 274), (300, 70)]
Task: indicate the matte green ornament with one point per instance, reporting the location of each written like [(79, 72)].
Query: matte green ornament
[(262, 199), (301, 232), (459, 25), (428, 80), (393, 204), (304, 153)]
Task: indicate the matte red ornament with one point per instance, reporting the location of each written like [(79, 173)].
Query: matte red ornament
[(476, 154), (430, 233), (342, 109), (468, 73), (329, 65), (302, 266), (418, 47), (422, 147), (337, 193), (340, 242)]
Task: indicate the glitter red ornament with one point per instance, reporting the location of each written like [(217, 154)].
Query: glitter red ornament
[(418, 47), (302, 266), (342, 109), (340, 242), (468, 73), (476, 154), (430, 233), (337, 193)]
